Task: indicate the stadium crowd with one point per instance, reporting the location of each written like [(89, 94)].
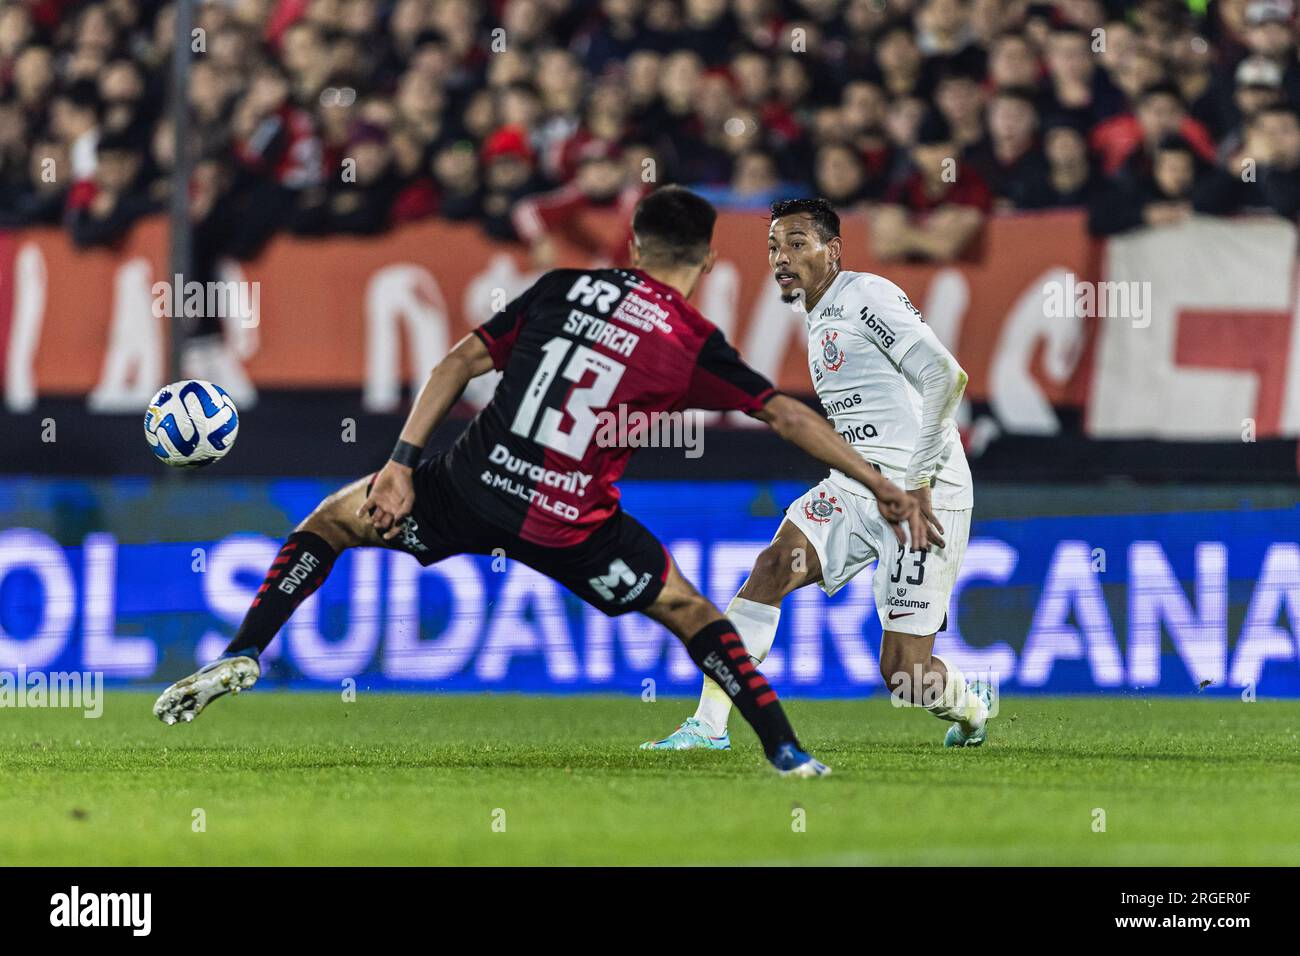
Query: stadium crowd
[(351, 116)]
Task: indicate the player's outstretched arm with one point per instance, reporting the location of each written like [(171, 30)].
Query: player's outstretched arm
[(801, 426), (393, 494), (932, 371)]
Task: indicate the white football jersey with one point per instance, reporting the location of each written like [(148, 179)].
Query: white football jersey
[(858, 333)]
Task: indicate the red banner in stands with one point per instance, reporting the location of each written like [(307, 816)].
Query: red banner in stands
[(374, 313)]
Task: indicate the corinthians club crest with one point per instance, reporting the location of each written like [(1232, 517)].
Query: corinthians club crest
[(832, 354), (821, 509)]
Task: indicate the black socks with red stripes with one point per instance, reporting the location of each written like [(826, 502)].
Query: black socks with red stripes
[(718, 651), (297, 571)]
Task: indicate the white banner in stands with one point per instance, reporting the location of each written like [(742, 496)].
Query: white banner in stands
[(1214, 351)]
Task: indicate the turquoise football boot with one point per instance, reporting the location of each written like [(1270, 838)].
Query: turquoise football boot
[(693, 734), (956, 737)]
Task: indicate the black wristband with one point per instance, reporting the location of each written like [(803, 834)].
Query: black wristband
[(405, 453)]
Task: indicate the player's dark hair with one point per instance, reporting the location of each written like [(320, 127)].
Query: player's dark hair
[(822, 213), (674, 226)]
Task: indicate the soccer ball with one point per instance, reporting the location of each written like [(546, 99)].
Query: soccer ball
[(191, 424)]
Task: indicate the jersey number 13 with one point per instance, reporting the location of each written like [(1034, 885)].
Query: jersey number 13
[(582, 403)]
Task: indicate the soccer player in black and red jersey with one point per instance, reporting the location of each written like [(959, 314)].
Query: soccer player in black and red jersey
[(527, 475)]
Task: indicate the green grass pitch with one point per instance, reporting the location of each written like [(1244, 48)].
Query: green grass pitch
[(305, 778)]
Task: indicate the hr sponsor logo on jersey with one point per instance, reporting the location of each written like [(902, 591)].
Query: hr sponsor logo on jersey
[(822, 508), (877, 325), (594, 292), (571, 481), (832, 355)]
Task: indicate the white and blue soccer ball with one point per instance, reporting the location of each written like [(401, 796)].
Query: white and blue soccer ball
[(191, 424)]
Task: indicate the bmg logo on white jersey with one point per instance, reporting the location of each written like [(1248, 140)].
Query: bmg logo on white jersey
[(884, 332)]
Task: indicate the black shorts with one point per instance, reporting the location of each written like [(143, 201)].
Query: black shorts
[(620, 567)]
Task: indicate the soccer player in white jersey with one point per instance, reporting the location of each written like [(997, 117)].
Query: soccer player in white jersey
[(890, 388)]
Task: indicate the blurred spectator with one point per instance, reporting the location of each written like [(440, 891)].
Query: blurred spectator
[(510, 175), (39, 198), (1257, 86), (899, 59), (1010, 161), (613, 37), (359, 200), (601, 182), (937, 211), (1270, 33), (32, 77), (74, 117), (121, 91), (1130, 140), (1269, 162), (1179, 183), (116, 197), (756, 182), (841, 176), (943, 28), (959, 98), (1074, 83), (1012, 62), (1069, 178), (277, 155), (456, 180), (13, 146)]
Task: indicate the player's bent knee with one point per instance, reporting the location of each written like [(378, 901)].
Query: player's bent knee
[(682, 609), (905, 667), (774, 575), (335, 520)]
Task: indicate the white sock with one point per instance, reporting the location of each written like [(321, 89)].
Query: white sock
[(957, 704), (756, 625)]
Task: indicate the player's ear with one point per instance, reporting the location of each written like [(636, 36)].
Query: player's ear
[(633, 253), (836, 248), (709, 259)]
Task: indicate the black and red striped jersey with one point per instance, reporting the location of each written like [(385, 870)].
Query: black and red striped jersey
[(581, 350)]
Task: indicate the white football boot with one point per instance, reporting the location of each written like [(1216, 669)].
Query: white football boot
[(956, 737), (186, 698)]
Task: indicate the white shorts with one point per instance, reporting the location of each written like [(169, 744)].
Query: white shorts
[(912, 588)]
